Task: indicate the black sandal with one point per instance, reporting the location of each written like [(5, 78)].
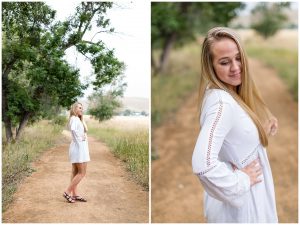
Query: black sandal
[(69, 198), (79, 198)]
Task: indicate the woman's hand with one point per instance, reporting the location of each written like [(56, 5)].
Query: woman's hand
[(271, 126), (253, 170)]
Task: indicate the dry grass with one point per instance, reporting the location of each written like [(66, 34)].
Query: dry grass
[(17, 157), (125, 123), (279, 52), (283, 39), (128, 137)]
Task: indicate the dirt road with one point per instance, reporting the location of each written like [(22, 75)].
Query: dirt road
[(177, 193), (112, 195)]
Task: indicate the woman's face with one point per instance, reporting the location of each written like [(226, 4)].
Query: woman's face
[(79, 110), (227, 62)]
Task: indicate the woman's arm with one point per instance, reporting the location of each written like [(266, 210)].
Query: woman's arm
[(75, 132), (218, 178)]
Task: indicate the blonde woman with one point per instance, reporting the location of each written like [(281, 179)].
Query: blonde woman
[(78, 152), (230, 157)]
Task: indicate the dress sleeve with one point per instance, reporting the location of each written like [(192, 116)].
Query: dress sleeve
[(219, 179), (75, 133)]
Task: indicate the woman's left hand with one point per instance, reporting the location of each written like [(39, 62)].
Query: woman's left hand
[(272, 126)]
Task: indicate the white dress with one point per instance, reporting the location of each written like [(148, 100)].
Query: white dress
[(79, 150), (228, 135)]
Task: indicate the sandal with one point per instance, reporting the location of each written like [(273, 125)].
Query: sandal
[(69, 198), (79, 198)]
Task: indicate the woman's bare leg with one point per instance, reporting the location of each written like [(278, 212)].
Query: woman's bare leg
[(74, 173), (78, 177), (75, 187), (84, 165)]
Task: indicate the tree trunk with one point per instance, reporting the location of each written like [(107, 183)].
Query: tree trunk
[(22, 124), (153, 63), (5, 118), (8, 130), (166, 52), (170, 41)]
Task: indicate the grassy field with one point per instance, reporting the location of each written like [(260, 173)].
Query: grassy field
[(128, 137), (17, 157)]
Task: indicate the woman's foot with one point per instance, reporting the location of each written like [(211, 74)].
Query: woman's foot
[(79, 198), (68, 197)]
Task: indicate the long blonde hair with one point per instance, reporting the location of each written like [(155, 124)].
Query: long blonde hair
[(246, 94), (74, 113)]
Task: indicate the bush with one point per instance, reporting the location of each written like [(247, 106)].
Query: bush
[(60, 120)]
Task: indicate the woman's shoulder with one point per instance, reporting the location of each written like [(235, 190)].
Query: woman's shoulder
[(217, 100), (74, 118), (218, 95)]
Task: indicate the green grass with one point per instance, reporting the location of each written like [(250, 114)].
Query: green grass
[(169, 90), (17, 157), (284, 61), (131, 146)]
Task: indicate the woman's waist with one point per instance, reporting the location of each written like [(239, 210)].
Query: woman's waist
[(76, 141), (240, 160)]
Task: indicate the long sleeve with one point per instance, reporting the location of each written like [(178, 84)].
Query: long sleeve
[(77, 136), (218, 178)]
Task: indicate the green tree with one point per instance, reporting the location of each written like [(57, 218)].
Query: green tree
[(143, 113), (127, 112), (104, 104), (34, 71), (177, 22), (269, 18)]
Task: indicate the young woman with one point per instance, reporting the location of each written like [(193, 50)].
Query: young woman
[(78, 152), (230, 158)]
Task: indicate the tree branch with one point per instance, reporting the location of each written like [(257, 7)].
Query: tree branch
[(85, 55), (89, 42), (105, 31)]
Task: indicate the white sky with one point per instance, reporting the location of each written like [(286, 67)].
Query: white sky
[(131, 42)]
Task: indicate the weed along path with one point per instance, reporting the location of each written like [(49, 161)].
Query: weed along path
[(112, 195), (177, 193)]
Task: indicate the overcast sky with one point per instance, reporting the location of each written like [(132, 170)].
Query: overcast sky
[(131, 20)]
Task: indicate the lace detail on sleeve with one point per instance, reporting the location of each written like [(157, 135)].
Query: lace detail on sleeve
[(211, 134), (205, 171)]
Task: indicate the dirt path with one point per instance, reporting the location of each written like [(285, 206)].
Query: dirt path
[(112, 195), (177, 193)]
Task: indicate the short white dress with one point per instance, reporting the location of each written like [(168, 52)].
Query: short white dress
[(79, 150), (228, 135)]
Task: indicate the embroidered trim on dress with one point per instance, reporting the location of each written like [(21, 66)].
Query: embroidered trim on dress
[(205, 171), (212, 131), (250, 156)]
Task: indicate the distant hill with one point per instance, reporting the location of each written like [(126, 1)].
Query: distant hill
[(135, 104)]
